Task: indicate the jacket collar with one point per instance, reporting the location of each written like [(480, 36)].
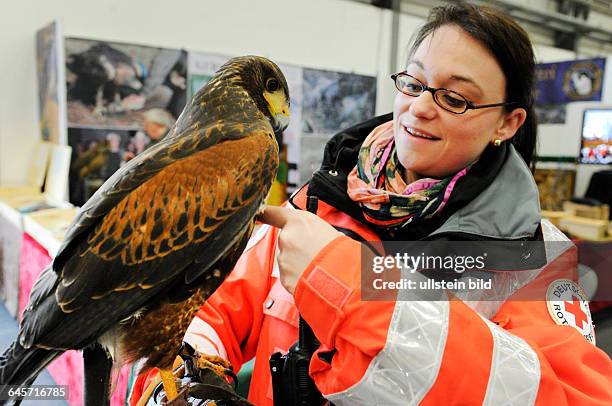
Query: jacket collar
[(508, 208)]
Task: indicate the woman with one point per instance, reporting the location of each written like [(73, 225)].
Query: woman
[(448, 165)]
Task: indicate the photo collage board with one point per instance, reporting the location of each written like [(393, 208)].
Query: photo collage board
[(122, 98)]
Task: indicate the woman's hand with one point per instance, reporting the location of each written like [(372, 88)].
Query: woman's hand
[(302, 236)]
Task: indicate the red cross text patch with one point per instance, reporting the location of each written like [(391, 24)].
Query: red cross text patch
[(568, 305)]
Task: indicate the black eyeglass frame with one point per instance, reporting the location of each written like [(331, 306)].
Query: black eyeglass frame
[(468, 104)]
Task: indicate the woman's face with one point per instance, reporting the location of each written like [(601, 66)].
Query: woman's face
[(450, 58)]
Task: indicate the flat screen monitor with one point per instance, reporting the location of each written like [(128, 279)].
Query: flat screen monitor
[(596, 140)]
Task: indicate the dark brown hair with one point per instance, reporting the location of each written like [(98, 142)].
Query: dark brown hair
[(511, 47)]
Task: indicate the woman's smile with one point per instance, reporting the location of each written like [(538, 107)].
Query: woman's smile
[(420, 134)]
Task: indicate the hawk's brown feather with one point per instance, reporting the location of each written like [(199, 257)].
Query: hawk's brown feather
[(183, 203)]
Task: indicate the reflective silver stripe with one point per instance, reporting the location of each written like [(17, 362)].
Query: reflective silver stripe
[(555, 242), (257, 236), (515, 370), (197, 330), (404, 371)]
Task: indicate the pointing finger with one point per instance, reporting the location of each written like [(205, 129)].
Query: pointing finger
[(275, 216)]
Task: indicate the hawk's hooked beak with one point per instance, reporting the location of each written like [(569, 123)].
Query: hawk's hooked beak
[(279, 108)]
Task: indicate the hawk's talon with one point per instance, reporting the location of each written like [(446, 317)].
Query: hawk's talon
[(219, 365)]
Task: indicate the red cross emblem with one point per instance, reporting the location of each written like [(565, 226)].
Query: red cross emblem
[(574, 308)]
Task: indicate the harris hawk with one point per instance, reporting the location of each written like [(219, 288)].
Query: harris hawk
[(160, 235)]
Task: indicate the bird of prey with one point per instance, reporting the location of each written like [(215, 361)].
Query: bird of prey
[(159, 236)]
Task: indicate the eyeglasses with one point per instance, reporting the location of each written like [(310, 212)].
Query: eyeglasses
[(447, 99)]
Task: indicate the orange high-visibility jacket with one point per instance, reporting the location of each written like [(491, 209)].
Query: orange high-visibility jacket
[(450, 352), (405, 352)]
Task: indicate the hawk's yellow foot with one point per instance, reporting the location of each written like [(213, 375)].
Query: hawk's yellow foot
[(217, 364)]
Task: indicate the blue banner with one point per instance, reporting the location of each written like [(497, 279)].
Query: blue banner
[(565, 82)]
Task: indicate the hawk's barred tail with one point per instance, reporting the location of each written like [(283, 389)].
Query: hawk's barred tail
[(20, 366)]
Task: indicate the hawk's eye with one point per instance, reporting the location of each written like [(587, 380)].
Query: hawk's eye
[(272, 85)]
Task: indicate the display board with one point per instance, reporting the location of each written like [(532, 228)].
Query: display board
[(110, 87)]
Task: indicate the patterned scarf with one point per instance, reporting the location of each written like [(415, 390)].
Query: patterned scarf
[(377, 185)]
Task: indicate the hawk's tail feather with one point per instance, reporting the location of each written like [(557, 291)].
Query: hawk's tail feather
[(20, 366)]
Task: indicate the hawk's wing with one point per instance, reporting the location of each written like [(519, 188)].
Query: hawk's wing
[(164, 233)]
